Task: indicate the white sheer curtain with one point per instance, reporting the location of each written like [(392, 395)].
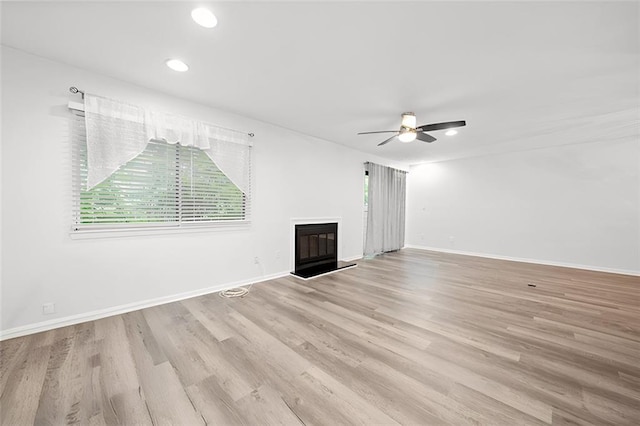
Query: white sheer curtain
[(386, 213), (115, 136), (118, 132)]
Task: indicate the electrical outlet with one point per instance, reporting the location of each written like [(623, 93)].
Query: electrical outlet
[(48, 308), (256, 260), (277, 254)]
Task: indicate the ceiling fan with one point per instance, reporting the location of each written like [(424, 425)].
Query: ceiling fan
[(409, 132)]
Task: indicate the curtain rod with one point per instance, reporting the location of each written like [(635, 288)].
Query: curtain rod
[(74, 90)]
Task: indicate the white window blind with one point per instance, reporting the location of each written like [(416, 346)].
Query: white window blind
[(165, 186)]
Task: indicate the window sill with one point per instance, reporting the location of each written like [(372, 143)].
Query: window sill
[(96, 233)]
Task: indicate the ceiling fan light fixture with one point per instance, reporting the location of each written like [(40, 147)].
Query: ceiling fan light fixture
[(407, 136), (409, 131), (409, 120), (451, 132)]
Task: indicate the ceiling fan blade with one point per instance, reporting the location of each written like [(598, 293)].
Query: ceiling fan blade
[(424, 137), (387, 141), (441, 126), (380, 131)]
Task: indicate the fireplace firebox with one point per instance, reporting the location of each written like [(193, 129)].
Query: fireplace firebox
[(316, 249)]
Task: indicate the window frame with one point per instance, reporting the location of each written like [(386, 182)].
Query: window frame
[(82, 231)]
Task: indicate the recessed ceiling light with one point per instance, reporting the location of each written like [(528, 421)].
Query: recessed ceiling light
[(177, 65), (204, 17), (451, 132)]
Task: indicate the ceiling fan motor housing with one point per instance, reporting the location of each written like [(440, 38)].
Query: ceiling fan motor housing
[(408, 121)]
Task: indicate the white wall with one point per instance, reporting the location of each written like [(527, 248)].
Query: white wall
[(575, 205), (295, 176)]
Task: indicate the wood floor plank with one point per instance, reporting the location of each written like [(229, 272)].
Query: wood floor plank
[(272, 410), (412, 337), (12, 353), (209, 318), (69, 363), (214, 404), (122, 398), (21, 396), (371, 385)]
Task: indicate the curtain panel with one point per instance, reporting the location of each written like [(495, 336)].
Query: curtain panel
[(118, 132), (386, 213)]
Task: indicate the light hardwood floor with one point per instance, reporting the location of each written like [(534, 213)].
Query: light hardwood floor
[(412, 337)]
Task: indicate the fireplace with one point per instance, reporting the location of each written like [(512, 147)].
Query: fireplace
[(316, 249)]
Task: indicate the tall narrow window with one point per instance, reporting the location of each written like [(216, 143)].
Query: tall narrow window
[(386, 209), (365, 213), (366, 190)]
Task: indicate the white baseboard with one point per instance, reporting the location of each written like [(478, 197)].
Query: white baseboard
[(129, 307), (525, 260), (351, 259)]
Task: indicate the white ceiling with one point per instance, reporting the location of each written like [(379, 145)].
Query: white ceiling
[(524, 75)]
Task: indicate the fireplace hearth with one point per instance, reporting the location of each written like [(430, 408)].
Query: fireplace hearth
[(316, 249)]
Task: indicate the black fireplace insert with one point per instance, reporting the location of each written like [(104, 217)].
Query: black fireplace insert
[(316, 249)]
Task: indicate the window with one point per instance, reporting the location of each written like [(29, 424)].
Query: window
[(366, 190), (166, 186)]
